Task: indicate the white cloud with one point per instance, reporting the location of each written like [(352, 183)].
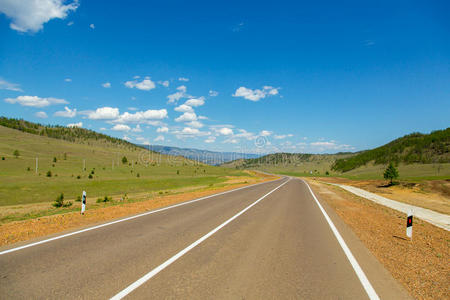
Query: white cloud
[(143, 140), (225, 131), (189, 130), (127, 138), (35, 101), (245, 134), (75, 125), (31, 15), (103, 113), (213, 93), (66, 113), (4, 85), (231, 141), (162, 129), (195, 124), (137, 128), (70, 23), (106, 85), (132, 108), (210, 139), (164, 83), (159, 138), (41, 114), (145, 85), (202, 118), (121, 127), (265, 133), (184, 108), (255, 95), (92, 26), (187, 117), (330, 145), (68, 80), (195, 102), (142, 116), (183, 79), (283, 136), (173, 98)]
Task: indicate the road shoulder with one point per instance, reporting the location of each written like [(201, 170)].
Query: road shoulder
[(376, 233)]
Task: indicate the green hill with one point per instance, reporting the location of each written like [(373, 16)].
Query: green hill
[(72, 134), (70, 160), (290, 163), (415, 148)]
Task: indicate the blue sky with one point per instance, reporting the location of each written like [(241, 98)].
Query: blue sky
[(313, 76)]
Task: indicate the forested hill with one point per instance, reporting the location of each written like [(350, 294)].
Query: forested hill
[(412, 148), (286, 159), (73, 134)]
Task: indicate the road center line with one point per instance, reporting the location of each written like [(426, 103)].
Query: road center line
[(128, 218), (164, 265), (359, 272)]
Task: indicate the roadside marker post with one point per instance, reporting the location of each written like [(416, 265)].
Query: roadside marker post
[(83, 203), (409, 223)]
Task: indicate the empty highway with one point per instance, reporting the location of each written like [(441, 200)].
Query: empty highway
[(267, 241)]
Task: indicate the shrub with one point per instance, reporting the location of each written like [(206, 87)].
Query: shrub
[(178, 172), (137, 175), (16, 153), (90, 176), (59, 202), (65, 156), (78, 177), (124, 160), (28, 169), (327, 173), (92, 172), (78, 198), (3, 158), (104, 199), (54, 159), (49, 173)]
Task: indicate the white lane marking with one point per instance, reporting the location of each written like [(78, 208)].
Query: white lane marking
[(164, 265), (129, 218), (359, 272)]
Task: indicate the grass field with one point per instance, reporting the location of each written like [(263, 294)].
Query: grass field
[(144, 171), (320, 167)]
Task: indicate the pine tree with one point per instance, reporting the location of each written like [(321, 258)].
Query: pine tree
[(391, 172)]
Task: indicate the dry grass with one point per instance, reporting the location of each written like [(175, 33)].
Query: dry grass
[(421, 265), (431, 194), (25, 230)]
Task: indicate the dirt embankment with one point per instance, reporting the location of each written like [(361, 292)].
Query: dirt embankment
[(421, 264), (431, 194)]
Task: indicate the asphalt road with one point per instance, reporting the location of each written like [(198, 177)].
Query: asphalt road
[(266, 241)]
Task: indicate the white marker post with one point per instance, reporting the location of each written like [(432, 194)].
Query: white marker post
[(83, 203), (409, 222)]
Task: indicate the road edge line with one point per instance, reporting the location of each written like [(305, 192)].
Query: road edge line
[(171, 260), (130, 218), (356, 267)]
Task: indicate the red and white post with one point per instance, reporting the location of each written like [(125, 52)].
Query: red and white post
[(409, 223)]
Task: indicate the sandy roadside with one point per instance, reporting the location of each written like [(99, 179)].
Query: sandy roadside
[(421, 265), (34, 228)]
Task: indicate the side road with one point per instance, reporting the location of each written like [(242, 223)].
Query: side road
[(435, 218)]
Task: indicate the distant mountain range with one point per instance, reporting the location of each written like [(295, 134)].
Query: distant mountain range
[(204, 156)]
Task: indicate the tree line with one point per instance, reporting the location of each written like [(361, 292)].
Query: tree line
[(412, 148)]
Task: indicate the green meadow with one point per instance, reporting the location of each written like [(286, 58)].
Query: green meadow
[(96, 166)]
